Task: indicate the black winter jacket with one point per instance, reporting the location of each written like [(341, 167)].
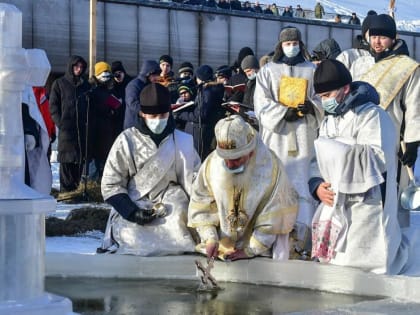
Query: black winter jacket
[(202, 118), (132, 92), (68, 107)]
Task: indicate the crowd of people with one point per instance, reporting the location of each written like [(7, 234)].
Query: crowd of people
[(295, 155), (317, 12)]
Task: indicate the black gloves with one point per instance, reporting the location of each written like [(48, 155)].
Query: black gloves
[(306, 108), (410, 155), (141, 216), (292, 114), (129, 210)]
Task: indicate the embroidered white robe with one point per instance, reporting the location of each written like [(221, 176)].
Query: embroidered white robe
[(407, 98), (292, 142), (150, 174), (364, 143), (267, 199)]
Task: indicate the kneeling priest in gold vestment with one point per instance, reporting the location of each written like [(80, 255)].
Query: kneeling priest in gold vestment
[(242, 203)]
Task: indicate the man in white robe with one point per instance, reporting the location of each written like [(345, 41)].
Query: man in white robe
[(360, 44), (147, 179), (289, 131), (396, 77), (353, 174), (242, 204)]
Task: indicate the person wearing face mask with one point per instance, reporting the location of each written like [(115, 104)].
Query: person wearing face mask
[(288, 113), (107, 120), (147, 180), (242, 204), (149, 73), (353, 175), (186, 73), (250, 66)]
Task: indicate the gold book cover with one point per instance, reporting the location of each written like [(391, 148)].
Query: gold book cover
[(292, 91)]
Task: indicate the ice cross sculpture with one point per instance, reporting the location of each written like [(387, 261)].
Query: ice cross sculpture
[(18, 67)]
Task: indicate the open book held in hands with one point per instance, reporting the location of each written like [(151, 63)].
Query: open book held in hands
[(292, 91), (230, 89), (178, 107), (236, 106), (243, 110)]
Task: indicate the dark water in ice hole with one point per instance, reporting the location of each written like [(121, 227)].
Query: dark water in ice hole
[(179, 297)]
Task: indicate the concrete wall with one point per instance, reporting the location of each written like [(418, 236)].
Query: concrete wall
[(133, 31)]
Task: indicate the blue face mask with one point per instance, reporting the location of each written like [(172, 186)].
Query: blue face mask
[(291, 51), (329, 105), (237, 170)]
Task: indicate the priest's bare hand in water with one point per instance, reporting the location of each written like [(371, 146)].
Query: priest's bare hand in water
[(236, 255), (212, 248), (325, 194)]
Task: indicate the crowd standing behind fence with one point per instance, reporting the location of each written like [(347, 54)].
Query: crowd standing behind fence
[(269, 9)]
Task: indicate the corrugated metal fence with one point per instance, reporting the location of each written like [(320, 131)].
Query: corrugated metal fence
[(134, 30)]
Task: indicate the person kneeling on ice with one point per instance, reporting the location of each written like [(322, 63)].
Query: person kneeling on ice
[(147, 179), (354, 174), (242, 204)]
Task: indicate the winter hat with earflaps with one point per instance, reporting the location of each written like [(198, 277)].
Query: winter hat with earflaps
[(290, 33), (235, 138)]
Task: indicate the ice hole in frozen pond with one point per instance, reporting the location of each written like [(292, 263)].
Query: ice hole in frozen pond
[(94, 296)]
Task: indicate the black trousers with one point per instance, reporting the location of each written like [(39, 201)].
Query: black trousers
[(70, 175)]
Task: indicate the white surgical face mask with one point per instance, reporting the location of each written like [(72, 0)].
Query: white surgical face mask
[(291, 51), (237, 170), (252, 76), (156, 125), (104, 76)]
